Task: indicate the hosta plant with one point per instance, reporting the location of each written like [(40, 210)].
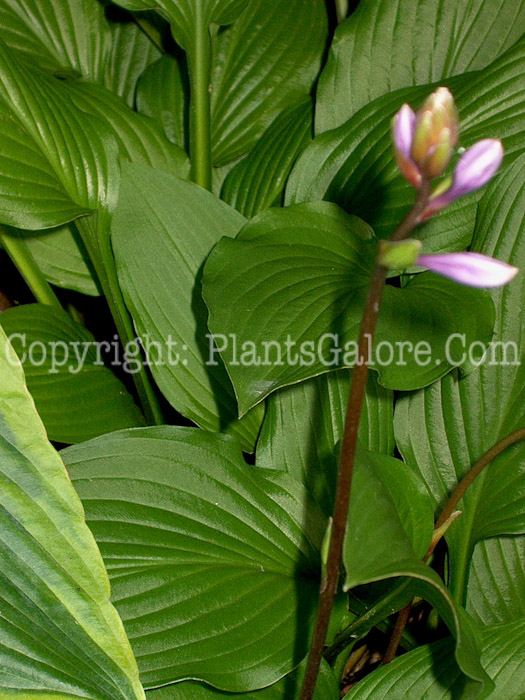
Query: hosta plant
[(262, 397)]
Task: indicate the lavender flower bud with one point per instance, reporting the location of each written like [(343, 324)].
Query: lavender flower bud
[(471, 269)]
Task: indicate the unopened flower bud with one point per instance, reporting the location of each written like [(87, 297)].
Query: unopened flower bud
[(471, 269), (435, 133), (399, 254)]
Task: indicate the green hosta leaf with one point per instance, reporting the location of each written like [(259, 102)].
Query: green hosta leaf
[(304, 423), (184, 15), (213, 565), (162, 92), (260, 73), (131, 53), (389, 529), (444, 429), (430, 672), (57, 162), (496, 584), (61, 256), (59, 35), (60, 636), (390, 44), (163, 231), (286, 689), (76, 396), (354, 165), (258, 181), (300, 275)]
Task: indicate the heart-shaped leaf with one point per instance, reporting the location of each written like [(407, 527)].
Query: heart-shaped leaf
[(213, 564), (412, 43), (162, 232), (430, 672), (60, 359), (60, 636), (286, 299), (444, 429), (258, 181), (354, 164)]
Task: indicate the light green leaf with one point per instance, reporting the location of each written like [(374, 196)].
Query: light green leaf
[(60, 636), (430, 672), (389, 529), (162, 92), (291, 290), (213, 565), (131, 53), (259, 180), (163, 231), (64, 36), (260, 73), (62, 258), (304, 423), (185, 14), (390, 44), (354, 165), (75, 395), (496, 582), (286, 689), (444, 429)]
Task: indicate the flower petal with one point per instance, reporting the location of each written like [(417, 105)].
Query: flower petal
[(472, 269), (403, 130)]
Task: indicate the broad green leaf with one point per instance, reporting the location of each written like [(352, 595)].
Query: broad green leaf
[(354, 164), (62, 258), (58, 163), (59, 635), (76, 396), (444, 429), (260, 73), (389, 529), (304, 423), (64, 36), (259, 180), (162, 233), (130, 55), (162, 93), (430, 672), (186, 15), (496, 582), (286, 689), (291, 290), (213, 564), (391, 44)]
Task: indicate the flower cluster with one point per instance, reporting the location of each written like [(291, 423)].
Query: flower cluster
[(424, 142)]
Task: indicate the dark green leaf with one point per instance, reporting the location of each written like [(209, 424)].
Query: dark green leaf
[(163, 231), (430, 672), (391, 44), (354, 165), (258, 181), (59, 635), (300, 274), (213, 564), (444, 429), (76, 396)]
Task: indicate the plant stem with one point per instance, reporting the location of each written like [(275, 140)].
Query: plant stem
[(199, 64), (17, 249), (446, 514), (348, 450)]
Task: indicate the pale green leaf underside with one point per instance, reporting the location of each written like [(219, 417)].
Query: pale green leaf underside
[(59, 634), (210, 560)]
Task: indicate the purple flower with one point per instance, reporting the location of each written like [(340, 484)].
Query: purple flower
[(403, 134), (472, 269), (474, 169)]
